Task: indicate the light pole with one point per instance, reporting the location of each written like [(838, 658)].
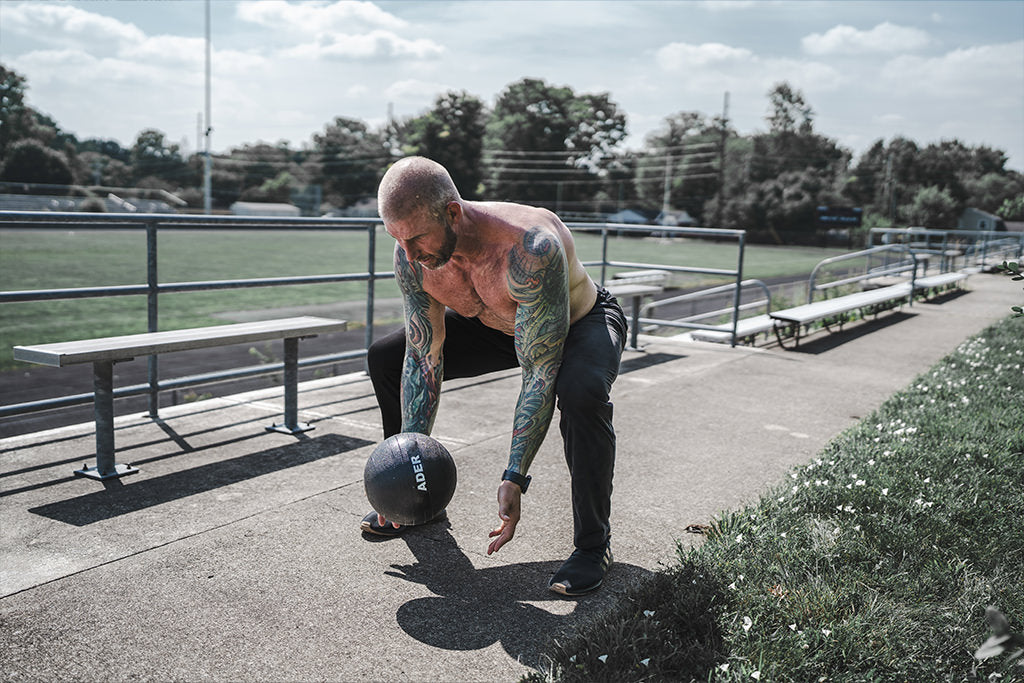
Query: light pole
[(208, 162)]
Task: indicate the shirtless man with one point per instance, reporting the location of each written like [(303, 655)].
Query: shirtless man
[(490, 286)]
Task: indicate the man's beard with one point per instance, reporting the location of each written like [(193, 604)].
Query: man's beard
[(444, 254)]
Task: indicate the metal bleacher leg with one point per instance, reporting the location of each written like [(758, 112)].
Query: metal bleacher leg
[(635, 324), (103, 407), (291, 423)]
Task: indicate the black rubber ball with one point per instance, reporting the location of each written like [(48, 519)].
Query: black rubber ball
[(409, 478)]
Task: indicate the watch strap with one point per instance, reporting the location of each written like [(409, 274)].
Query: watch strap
[(516, 478)]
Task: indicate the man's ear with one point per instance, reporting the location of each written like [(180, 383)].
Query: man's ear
[(454, 211)]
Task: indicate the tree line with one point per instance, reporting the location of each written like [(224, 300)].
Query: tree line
[(550, 146)]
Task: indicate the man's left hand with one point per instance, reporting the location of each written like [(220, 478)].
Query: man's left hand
[(509, 499)]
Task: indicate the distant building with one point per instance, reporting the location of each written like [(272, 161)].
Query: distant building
[(265, 209), (637, 216), (976, 219), (676, 219)]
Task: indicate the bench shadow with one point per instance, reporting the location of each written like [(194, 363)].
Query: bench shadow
[(647, 360), (943, 297), (831, 340), (474, 608), (124, 496)]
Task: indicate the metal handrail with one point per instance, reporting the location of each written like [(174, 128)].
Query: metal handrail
[(979, 245), (900, 267), (153, 224)]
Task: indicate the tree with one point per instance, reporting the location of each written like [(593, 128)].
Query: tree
[(789, 112), (682, 156), (548, 146), (934, 207), (29, 161), (349, 160), (15, 115), (452, 134), (151, 156), (990, 191), (1012, 209)]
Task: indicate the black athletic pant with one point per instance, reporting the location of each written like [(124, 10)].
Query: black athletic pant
[(590, 364)]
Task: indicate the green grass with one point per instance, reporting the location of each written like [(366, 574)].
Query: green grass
[(38, 259), (873, 562)]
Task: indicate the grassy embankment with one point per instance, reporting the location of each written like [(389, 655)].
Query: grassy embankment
[(873, 562), (52, 259)]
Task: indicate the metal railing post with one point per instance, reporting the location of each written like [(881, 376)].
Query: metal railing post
[(738, 294), (371, 282), (604, 254), (152, 316)]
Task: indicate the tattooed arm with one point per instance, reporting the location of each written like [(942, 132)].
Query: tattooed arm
[(424, 337), (538, 281)]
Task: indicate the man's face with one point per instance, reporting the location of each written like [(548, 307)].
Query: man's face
[(425, 241)]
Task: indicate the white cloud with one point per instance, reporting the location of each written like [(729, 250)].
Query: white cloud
[(714, 67), (681, 56), (64, 24), (317, 17), (984, 72), (414, 91), (377, 44), (884, 37)]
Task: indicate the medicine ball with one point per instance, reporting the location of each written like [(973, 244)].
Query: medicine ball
[(409, 478)]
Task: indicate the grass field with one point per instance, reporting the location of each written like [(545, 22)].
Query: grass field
[(875, 561), (41, 259)]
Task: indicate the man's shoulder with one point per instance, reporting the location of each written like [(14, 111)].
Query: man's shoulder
[(522, 216)]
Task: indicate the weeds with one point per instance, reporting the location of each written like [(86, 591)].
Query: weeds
[(877, 560)]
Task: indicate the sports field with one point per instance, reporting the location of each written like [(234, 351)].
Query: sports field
[(45, 259)]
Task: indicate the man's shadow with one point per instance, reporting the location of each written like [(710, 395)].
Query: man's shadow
[(474, 608)]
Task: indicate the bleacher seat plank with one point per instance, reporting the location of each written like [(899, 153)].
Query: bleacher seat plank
[(826, 308), (129, 346)]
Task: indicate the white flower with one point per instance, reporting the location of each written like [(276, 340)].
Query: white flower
[(792, 627), (861, 482), (885, 492), (648, 613), (825, 632), (747, 623), (756, 675), (739, 538), (783, 534), (732, 585), (646, 662), (724, 667), (602, 658)]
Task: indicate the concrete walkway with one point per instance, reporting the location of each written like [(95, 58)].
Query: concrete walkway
[(235, 555)]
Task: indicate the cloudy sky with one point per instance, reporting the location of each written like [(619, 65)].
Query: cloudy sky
[(922, 69)]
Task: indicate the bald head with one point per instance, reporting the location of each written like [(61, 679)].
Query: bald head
[(415, 184)]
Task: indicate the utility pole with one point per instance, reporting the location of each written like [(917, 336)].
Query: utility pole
[(719, 205), (668, 186), (890, 187), (208, 162)]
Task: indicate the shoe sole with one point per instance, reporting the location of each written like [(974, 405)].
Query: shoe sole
[(562, 590), (390, 531)]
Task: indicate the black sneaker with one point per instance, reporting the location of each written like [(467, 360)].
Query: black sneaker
[(369, 525), (583, 572)]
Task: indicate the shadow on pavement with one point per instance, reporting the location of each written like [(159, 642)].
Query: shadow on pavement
[(475, 608), (122, 497)]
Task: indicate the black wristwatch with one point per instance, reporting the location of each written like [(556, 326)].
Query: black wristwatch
[(516, 478)]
